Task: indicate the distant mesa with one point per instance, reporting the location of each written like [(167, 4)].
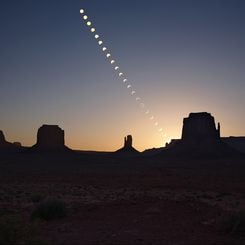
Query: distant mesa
[(236, 142), (153, 151), (2, 138), (50, 138), (6, 146), (3, 142), (200, 138), (200, 127), (128, 148)]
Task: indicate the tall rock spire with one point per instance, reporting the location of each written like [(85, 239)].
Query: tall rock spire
[(128, 141), (128, 148)]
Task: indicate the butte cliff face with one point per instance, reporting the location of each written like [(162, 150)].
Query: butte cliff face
[(50, 138), (200, 127), (128, 148), (200, 138)]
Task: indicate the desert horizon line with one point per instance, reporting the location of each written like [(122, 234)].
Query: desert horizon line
[(62, 137)]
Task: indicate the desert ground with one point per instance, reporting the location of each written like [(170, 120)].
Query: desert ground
[(108, 199)]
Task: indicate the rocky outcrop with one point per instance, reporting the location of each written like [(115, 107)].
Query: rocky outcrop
[(199, 127), (2, 138), (128, 148), (235, 142), (152, 152), (128, 142), (50, 138), (200, 138), (6, 146)]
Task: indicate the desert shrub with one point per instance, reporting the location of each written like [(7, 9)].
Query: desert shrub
[(235, 224), (50, 209), (36, 197), (9, 230), (13, 230)]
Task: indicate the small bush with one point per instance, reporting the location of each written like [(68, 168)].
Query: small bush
[(9, 230), (50, 209), (36, 198), (13, 230), (235, 224)]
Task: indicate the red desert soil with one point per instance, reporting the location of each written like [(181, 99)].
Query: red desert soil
[(127, 201)]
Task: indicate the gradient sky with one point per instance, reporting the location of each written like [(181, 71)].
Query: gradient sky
[(182, 56)]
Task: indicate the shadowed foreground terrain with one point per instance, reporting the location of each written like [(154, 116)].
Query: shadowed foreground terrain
[(130, 200)]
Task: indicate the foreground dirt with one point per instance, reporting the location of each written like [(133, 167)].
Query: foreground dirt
[(126, 201)]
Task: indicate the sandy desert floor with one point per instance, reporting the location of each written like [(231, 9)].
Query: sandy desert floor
[(113, 200)]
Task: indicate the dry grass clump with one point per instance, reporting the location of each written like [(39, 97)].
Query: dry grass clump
[(50, 209)]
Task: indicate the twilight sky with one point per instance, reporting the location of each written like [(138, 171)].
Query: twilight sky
[(180, 56)]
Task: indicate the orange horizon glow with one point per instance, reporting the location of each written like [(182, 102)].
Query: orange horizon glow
[(113, 140), (115, 72)]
